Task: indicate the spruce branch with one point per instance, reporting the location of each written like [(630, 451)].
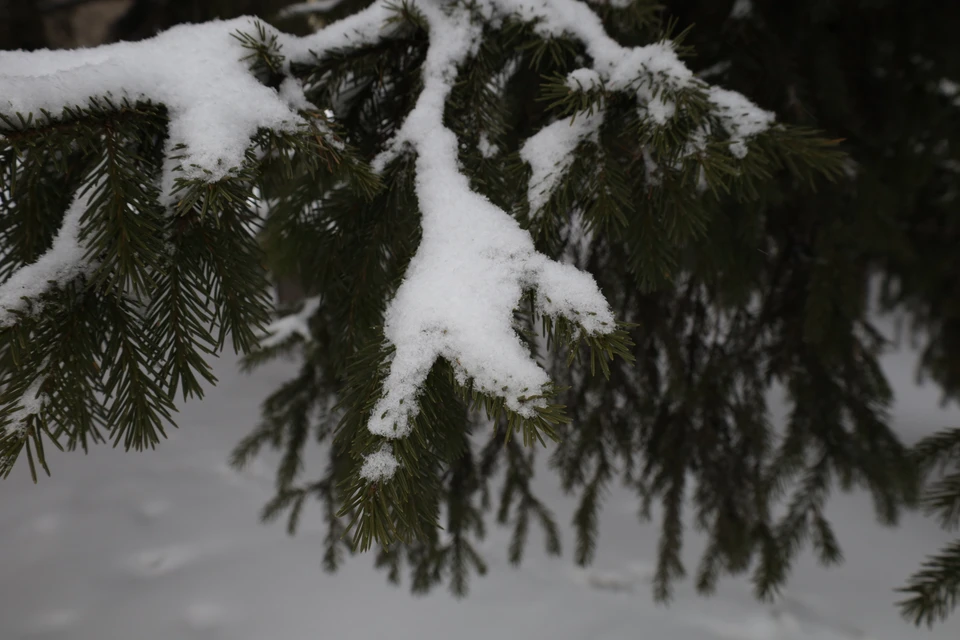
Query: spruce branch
[(153, 234), (934, 591), (392, 162)]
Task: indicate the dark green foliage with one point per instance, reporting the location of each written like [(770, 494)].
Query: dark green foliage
[(109, 349), (934, 591), (870, 72), (671, 258), (731, 277)]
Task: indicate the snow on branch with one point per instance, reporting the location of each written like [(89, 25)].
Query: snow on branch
[(474, 262), (550, 152), (294, 324), (472, 267), (64, 261), (740, 118), (308, 8), (215, 103), (198, 71)]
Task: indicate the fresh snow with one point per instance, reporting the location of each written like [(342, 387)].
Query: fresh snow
[(486, 148), (30, 404), (584, 79), (549, 152), (166, 544), (63, 262), (307, 8), (741, 118), (294, 324), (216, 105), (619, 66), (378, 465)]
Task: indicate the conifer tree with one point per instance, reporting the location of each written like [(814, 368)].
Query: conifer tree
[(884, 77), (516, 221)]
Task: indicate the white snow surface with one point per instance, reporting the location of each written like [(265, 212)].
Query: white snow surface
[(166, 544)]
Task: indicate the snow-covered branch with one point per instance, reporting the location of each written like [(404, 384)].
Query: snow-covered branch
[(64, 261), (215, 103), (289, 326), (472, 266), (549, 152), (474, 262)]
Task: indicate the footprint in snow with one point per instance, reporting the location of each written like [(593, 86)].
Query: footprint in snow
[(150, 510), (789, 619), (52, 622), (201, 616), (808, 617), (623, 580), (46, 525), (157, 562)]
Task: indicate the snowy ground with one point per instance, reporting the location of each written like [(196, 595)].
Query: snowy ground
[(165, 545)]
